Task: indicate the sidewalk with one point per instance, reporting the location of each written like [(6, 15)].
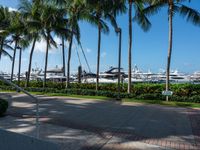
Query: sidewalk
[(88, 124)]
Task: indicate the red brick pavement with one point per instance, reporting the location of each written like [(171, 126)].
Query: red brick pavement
[(194, 116)]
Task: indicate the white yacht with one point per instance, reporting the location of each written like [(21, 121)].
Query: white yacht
[(55, 75), (139, 76), (195, 77), (112, 73), (6, 76), (109, 76), (175, 77)]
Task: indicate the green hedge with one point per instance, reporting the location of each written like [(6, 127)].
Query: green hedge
[(181, 92), (3, 106)]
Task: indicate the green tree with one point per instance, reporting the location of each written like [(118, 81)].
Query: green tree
[(22, 45), (4, 24), (144, 23), (53, 21), (102, 11), (76, 10), (174, 6), (30, 12), (16, 30)]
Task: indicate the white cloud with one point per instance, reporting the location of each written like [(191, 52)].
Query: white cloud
[(57, 40), (40, 46), (88, 50), (103, 55), (12, 9)]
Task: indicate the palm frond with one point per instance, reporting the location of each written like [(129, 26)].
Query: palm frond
[(190, 14), (5, 53), (141, 18)]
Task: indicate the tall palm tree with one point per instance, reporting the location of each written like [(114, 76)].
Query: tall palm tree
[(102, 11), (22, 45), (144, 23), (174, 6), (75, 10), (31, 14), (63, 55), (4, 24), (52, 20), (16, 29)]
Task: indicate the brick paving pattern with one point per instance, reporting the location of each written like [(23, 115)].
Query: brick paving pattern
[(93, 125)]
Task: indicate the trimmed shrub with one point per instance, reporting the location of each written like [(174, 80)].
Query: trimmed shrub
[(3, 106), (144, 91)]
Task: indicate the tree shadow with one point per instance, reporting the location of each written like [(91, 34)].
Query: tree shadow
[(72, 121)]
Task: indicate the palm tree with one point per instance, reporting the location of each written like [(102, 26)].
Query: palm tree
[(52, 20), (75, 10), (16, 29), (102, 11), (31, 15), (144, 23), (174, 6), (63, 55), (22, 44), (4, 24)]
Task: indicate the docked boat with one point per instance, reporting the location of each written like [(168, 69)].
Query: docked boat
[(55, 75), (5, 75), (109, 76), (195, 77), (112, 73), (175, 77)]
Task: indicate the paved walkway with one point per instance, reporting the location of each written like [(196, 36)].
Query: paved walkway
[(99, 125)]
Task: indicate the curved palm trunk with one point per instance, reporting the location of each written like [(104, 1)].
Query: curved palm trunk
[(30, 63), (46, 60), (68, 61), (130, 47), (98, 56), (13, 61), (63, 53), (170, 45), (20, 61)]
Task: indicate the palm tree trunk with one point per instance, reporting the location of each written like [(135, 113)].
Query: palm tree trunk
[(63, 53), (46, 60), (20, 61), (119, 63), (170, 45), (13, 61), (1, 48), (98, 55), (68, 61), (30, 62), (130, 47)]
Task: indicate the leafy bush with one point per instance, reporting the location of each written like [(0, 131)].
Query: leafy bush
[(181, 92), (3, 106)]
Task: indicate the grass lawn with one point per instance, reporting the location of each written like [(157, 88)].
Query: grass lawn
[(164, 103)]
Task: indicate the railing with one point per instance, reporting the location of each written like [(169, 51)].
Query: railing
[(30, 95)]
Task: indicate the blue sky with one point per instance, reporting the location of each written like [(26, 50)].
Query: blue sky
[(149, 49)]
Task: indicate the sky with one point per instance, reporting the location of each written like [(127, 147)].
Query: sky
[(149, 50)]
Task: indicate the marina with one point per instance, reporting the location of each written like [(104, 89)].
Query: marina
[(108, 76)]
